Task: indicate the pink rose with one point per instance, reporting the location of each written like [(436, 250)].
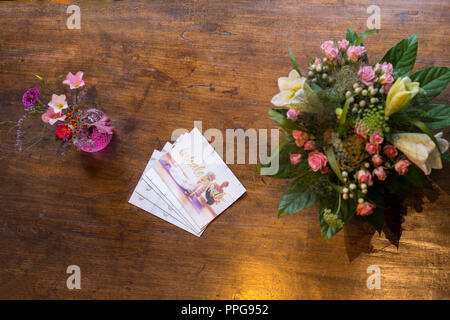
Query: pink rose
[(372, 148), (367, 75), (327, 45), (376, 159), (390, 151), (380, 173), (317, 160), (292, 114), (361, 130), (402, 167), (365, 208), (354, 52), (387, 67), (309, 145), (329, 49), (387, 78), (295, 158), (376, 138), (343, 44), (364, 176), (300, 137), (316, 62)]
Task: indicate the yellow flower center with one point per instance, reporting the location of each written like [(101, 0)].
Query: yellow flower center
[(76, 84), (60, 105)]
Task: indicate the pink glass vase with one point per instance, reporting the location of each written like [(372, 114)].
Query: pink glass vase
[(92, 139)]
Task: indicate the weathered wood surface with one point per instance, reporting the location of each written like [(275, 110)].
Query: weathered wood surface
[(155, 66)]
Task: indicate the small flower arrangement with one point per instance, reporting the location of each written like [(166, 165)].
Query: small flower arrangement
[(358, 130), (89, 130)]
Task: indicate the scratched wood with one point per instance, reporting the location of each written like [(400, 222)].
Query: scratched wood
[(153, 67)]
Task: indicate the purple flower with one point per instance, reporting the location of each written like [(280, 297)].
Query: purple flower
[(30, 97)]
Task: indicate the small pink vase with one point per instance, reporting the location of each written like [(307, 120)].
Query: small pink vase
[(92, 139)]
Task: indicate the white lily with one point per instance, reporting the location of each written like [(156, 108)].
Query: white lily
[(288, 87), (421, 150)]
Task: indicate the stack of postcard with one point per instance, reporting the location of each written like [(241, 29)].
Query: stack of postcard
[(187, 184)]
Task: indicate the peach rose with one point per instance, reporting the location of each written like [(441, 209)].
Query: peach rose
[(300, 137), (365, 208)]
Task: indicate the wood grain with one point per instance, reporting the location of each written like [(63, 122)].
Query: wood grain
[(153, 67)]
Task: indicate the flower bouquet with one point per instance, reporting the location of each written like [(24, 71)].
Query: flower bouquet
[(89, 130), (357, 130)]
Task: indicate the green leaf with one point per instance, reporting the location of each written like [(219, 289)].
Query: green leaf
[(363, 37), (402, 56), (414, 177), (299, 195), (344, 112), (328, 203), (445, 156), (279, 115), (351, 36), (432, 80), (333, 163), (376, 219), (397, 185), (293, 62)]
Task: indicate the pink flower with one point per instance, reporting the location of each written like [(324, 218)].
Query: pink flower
[(387, 78), (343, 44), (367, 75), (390, 151), (74, 81), (380, 173), (365, 208), (316, 62), (58, 103), (386, 67), (300, 137), (295, 158), (361, 130), (402, 167), (309, 145), (376, 159), (63, 131), (292, 114), (364, 176), (354, 52), (317, 160), (372, 148), (329, 49), (376, 138), (51, 117)]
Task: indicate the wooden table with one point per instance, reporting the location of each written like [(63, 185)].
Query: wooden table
[(153, 67)]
